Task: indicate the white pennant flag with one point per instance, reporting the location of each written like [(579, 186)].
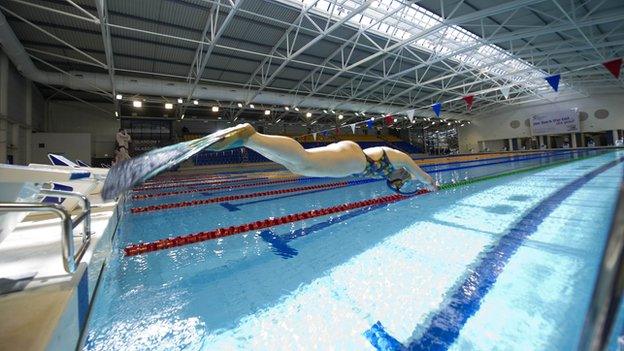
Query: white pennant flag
[(353, 128), (314, 136), (505, 91), (410, 115)]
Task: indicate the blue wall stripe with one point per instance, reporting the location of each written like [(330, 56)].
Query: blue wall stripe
[(445, 326)]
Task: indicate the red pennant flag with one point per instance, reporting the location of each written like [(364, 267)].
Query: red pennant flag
[(614, 66), (389, 120), (337, 131), (469, 100)]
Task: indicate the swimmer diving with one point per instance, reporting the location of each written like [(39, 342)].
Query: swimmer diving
[(340, 159)]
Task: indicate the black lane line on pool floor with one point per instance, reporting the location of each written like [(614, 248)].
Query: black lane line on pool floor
[(446, 324)]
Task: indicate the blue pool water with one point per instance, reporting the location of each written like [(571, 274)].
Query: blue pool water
[(508, 263)]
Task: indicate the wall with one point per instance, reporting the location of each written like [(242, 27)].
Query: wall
[(21, 113), (74, 146), (497, 125), (200, 127), (76, 117)]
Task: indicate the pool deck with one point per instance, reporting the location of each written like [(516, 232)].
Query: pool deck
[(46, 304)]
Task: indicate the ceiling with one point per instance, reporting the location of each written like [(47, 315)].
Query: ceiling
[(293, 47)]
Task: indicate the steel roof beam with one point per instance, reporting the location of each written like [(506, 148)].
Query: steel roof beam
[(108, 47)]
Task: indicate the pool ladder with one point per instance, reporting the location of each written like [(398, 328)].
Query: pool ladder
[(71, 256), (603, 310)]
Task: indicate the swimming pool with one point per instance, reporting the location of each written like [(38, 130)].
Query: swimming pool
[(504, 263)]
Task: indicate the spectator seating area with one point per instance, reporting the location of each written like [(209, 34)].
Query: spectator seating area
[(242, 155)]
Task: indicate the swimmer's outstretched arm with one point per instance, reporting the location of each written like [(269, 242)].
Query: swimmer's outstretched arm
[(401, 159)]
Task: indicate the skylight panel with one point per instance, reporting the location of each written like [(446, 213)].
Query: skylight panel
[(413, 20)]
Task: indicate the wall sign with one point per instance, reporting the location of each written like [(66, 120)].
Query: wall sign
[(556, 122)]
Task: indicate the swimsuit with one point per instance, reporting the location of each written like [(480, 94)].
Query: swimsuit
[(381, 168)]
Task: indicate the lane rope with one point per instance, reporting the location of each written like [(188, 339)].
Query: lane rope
[(167, 243), (201, 182), (239, 186), (146, 196), (152, 208), (188, 181)]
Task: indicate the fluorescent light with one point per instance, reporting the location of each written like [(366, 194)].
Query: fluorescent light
[(362, 113), (357, 114), (332, 111), (449, 123), (395, 120), (287, 108), (324, 111), (340, 116), (215, 108), (462, 125), (279, 119), (239, 105), (297, 109), (119, 97), (252, 106), (168, 106), (432, 123), (309, 114), (180, 100), (116, 114), (195, 102), (267, 112), (182, 117), (137, 103)]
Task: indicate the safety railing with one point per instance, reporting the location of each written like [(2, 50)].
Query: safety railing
[(71, 256), (601, 316)]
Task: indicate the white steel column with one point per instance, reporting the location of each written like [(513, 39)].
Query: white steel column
[(615, 135), (27, 152), (4, 125), (573, 140), (510, 142)]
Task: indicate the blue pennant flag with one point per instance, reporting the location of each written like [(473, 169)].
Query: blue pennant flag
[(437, 107), (554, 81), (369, 124)]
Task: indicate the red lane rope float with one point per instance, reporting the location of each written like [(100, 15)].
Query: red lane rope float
[(190, 191), (168, 206), (201, 182), (163, 244)]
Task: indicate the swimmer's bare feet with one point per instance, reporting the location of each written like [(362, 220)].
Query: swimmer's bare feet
[(233, 137)]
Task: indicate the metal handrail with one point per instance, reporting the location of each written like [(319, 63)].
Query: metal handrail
[(70, 255), (603, 310)]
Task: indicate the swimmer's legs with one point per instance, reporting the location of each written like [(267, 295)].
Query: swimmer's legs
[(335, 160)]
